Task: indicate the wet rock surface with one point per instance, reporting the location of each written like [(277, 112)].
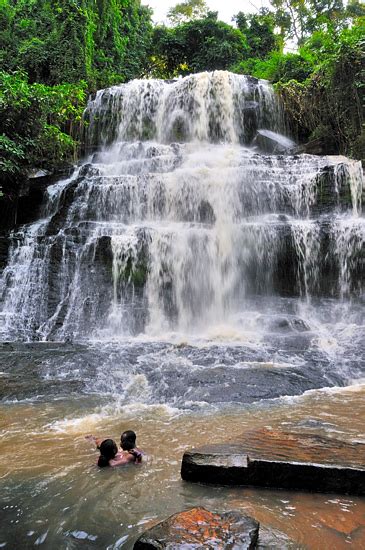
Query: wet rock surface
[(23, 205), (212, 375), (268, 458), (24, 371), (273, 143), (270, 538), (103, 231), (4, 247), (200, 529)]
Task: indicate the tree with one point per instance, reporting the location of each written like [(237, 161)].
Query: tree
[(187, 11), (101, 41), (328, 106), (297, 19), (202, 45), (40, 125), (355, 9), (259, 30), (52, 52), (322, 87)]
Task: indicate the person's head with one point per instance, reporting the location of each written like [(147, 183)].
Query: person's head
[(128, 440), (108, 450)]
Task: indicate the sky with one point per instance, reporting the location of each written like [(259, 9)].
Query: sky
[(226, 8)]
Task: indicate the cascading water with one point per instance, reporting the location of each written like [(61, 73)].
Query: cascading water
[(188, 285), (173, 224)]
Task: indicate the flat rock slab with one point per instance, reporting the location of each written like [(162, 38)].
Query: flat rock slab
[(200, 529), (267, 458)]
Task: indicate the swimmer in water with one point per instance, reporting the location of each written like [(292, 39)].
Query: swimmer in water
[(129, 453), (108, 454), (129, 449)]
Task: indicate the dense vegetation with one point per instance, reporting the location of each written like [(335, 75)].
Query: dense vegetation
[(54, 52), (322, 86), (56, 41), (37, 119), (197, 45), (51, 53), (327, 107)]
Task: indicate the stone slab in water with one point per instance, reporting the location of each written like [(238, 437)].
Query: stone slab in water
[(267, 458), (200, 529)]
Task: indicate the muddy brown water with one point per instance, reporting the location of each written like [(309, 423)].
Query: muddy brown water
[(53, 495)]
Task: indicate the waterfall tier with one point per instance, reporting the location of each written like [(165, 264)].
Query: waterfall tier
[(211, 107)]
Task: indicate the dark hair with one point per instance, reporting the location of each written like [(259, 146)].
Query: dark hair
[(108, 450), (128, 440)]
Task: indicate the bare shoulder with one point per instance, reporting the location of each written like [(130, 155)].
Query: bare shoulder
[(118, 460)]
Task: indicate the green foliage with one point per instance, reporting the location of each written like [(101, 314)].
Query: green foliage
[(187, 11), (259, 30), (40, 125), (56, 41), (298, 19), (201, 45), (11, 157), (322, 84), (137, 27), (47, 43), (329, 106), (278, 67)]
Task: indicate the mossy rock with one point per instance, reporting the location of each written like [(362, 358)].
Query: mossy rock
[(135, 274)]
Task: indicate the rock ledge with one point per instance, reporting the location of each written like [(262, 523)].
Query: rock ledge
[(266, 458)]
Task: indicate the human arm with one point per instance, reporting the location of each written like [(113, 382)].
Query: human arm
[(97, 440), (136, 454)]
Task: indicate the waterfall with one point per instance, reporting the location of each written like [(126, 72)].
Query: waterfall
[(215, 107), (176, 219)]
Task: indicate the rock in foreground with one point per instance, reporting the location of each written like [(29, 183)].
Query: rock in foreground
[(265, 458), (200, 529)]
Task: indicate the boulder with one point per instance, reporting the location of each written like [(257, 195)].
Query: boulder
[(270, 538), (313, 147), (200, 529), (266, 458), (273, 143)]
